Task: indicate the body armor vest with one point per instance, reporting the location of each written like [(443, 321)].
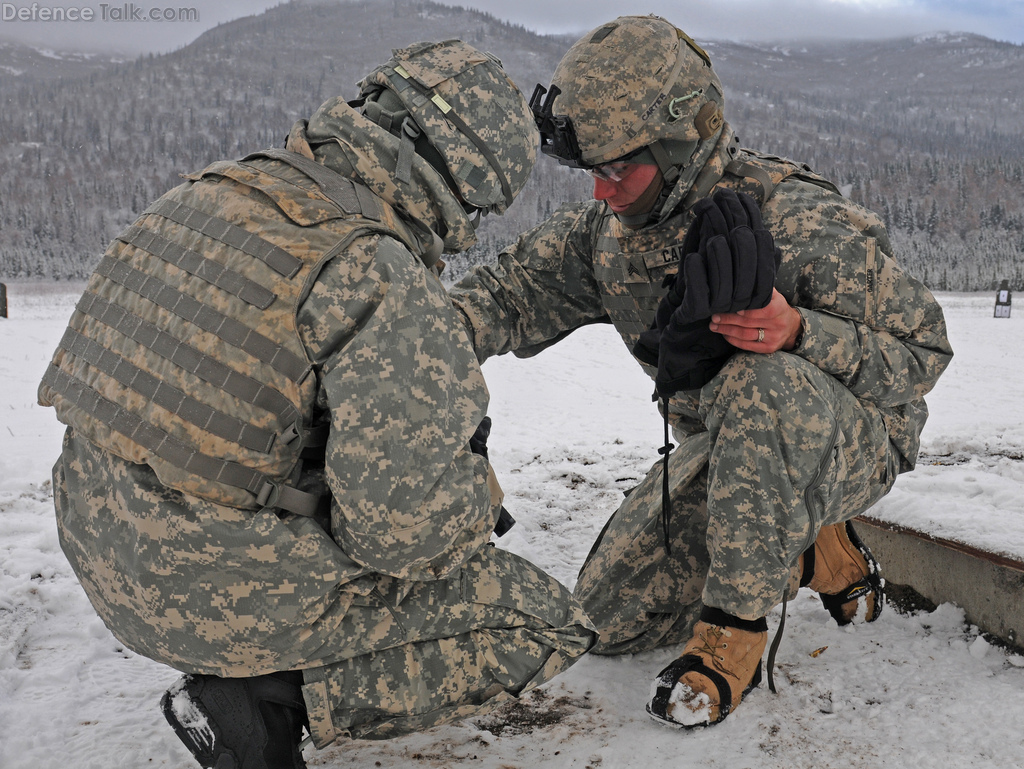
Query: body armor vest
[(631, 265), (183, 353)]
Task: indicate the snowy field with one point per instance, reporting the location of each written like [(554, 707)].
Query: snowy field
[(573, 429)]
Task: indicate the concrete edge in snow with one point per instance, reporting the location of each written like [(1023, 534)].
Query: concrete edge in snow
[(988, 587)]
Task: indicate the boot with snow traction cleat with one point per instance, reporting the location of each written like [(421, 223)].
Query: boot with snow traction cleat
[(239, 723), (725, 652), (844, 573)]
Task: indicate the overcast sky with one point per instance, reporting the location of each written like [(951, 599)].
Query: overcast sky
[(118, 26)]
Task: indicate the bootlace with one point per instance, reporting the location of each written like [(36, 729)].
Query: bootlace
[(775, 647), (711, 642)]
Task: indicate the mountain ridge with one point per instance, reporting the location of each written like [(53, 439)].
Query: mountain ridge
[(923, 130)]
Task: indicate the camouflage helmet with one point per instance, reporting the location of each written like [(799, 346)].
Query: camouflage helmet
[(470, 113), (636, 83)]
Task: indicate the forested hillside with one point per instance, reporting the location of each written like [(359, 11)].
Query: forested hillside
[(928, 132)]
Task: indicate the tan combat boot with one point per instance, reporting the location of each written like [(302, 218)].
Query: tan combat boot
[(719, 665), (840, 568)]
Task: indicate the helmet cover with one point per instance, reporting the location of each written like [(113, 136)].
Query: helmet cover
[(471, 113), (634, 82)]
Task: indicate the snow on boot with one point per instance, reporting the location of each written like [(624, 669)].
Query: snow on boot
[(239, 723), (719, 665), (844, 573)]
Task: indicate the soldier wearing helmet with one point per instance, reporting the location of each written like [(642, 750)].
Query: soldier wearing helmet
[(790, 354), (274, 476)]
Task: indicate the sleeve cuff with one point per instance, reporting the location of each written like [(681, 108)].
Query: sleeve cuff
[(824, 339)]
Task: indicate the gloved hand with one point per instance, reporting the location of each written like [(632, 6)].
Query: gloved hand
[(688, 355), (478, 442), (729, 258), (728, 264), (478, 445)]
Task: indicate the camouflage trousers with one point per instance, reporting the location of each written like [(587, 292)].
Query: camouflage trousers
[(430, 653), (209, 589), (787, 450)]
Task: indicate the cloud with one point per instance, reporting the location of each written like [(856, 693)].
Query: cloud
[(782, 19), (703, 19)]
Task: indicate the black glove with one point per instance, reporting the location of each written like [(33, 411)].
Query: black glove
[(478, 445), (728, 264), (729, 258), (689, 355)]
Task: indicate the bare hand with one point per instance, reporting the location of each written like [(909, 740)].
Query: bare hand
[(774, 327)]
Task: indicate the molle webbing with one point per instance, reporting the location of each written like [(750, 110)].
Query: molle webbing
[(188, 358), (276, 258), (208, 319), (196, 264), (174, 451), (629, 313), (184, 350), (631, 283), (166, 396)]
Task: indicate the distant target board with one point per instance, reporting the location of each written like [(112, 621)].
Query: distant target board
[(1003, 299)]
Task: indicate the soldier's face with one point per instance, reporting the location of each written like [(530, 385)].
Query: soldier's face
[(626, 186)]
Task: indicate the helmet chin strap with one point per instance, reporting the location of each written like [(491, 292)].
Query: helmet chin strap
[(688, 175), (678, 178), (679, 163), (636, 215)]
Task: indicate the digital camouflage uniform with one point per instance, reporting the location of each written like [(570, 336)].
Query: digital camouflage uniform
[(776, 445), (267, 334)]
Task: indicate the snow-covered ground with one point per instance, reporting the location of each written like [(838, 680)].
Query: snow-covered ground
[(573, 428)]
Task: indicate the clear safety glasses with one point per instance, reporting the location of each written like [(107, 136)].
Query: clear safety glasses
[(612, 172)]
